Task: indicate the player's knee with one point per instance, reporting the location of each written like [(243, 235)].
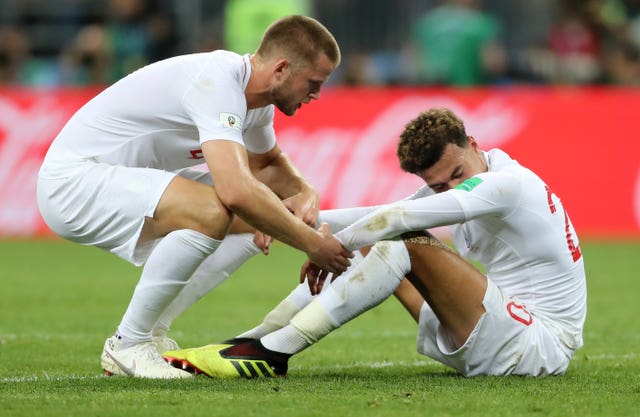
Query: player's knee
[(188, 204), (214, 221), (394, 255), (207, 216)]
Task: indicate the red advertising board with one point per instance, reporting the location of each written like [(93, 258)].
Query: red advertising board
[(582, 142)]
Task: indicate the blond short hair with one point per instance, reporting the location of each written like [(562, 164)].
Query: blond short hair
[(301, 39)]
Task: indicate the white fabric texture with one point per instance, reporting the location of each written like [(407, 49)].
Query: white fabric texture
[(171, 264), (145, 121), (233, 252), (372, 281), (500, 343)]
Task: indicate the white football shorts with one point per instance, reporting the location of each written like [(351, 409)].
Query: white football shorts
[(508, 339), (104, 205)]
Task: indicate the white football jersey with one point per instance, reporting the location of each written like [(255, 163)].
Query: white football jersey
[(159, 115), (511, 222)]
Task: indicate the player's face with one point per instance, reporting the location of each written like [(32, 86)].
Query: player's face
[(456, 165), (301, 86)]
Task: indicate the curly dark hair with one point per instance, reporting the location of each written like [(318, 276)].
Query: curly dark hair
[(423, 139)]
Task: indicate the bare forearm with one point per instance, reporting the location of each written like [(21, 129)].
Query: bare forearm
[(283, 178), (262, 209), (254, 202)]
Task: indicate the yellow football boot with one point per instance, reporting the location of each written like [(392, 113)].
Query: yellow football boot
[(245, 360)]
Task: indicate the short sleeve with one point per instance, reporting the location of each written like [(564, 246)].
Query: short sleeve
[(260, 136), (216, 104)]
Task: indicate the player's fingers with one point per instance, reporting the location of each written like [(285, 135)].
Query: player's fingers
[(290, 205), (321, 280), (347, 254), (268, 240), (341, 265), (312, 273), (325, 229), (310, 219), (262, 241), (304, 270)]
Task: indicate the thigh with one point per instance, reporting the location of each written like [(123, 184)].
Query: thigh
[(453, 288), (188, 204)]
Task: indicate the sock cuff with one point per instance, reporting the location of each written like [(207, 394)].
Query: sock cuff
[(193, 238), (313, 322), (244, 241)]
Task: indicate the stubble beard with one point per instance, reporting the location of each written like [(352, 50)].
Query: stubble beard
[(282, 101)]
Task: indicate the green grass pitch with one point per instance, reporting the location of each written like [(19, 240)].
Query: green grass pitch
[(61, 300)]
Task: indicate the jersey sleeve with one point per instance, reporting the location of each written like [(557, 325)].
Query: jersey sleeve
[(216, 105), (338, 219), (484, 194), (260, 136), (391, 220), (489, 193)]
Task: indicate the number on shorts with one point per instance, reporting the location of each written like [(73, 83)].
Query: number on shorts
[(519, 313)]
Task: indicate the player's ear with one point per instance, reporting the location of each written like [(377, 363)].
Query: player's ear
[(281, 68)]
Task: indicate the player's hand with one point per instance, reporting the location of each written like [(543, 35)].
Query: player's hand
[(315, 277), (304, 205), (262, 241), (329, 254)]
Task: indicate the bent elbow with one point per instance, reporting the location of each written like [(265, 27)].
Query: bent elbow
[(233, 198)]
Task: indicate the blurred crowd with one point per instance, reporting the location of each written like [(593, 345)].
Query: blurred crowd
[(384, 42)]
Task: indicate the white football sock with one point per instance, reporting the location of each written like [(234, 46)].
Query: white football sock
[(172, 262), (282, 313), (364, 287), (233, 252), (280, 316)]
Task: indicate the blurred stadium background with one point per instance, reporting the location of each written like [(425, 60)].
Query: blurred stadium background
[(52, 42), (553, 82)]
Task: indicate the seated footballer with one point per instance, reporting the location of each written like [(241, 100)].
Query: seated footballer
[(525, 316)]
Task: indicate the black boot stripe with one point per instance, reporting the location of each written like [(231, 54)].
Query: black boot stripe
[(261, 366), (240, 369), (251, 369)]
